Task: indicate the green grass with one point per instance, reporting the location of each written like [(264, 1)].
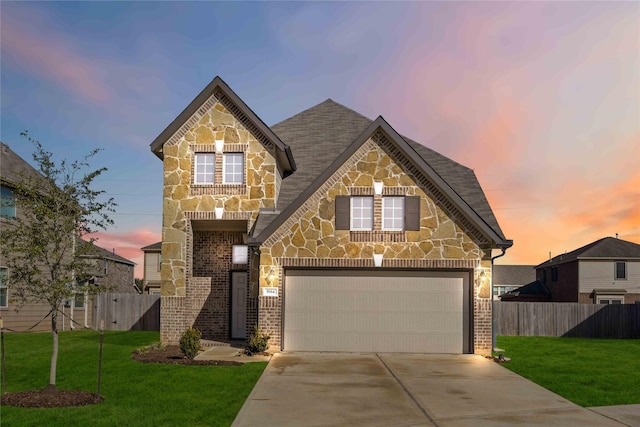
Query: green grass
[(589, 372), (135, 393)]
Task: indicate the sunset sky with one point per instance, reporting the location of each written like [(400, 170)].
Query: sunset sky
[(541, 99)]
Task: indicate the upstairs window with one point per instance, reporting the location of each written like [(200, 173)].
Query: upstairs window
[(362, 213), (393, 213), (205, 168), (233, 166), (7, 202), (621, 270)]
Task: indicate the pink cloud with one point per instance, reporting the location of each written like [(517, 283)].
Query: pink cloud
[(44, 51)]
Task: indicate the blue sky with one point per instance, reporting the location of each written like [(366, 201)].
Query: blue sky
[(541, 99)]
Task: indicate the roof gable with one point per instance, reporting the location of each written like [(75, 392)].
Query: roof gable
[(380, 130), (220, 91)]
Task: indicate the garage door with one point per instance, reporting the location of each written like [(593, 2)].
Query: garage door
[(376, 311)]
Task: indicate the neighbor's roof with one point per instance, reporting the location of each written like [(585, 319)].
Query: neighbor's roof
[(513, 275), (319, 136), (153, 247), (102, 253), (608, 247), (239, 109), (534, 288), (14, 167)]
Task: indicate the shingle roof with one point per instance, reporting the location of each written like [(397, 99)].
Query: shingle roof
[(98, 252), (534, 288), (153, 247), (513, 275), (607, 247), (319, 135), (13, 167)]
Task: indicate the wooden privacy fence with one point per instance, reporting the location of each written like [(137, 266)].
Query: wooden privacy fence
[(127, 312), (550, 319)]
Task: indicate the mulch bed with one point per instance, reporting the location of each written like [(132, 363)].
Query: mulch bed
[(171, 354), (57, 398), (48, 398)]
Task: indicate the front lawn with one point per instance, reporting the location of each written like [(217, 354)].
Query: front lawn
[(587, 371), (134, 393)]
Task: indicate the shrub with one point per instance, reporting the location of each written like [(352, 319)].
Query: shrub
[(258, 341), (190, 342)]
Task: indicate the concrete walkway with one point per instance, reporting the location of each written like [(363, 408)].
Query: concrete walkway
[(358, 389)]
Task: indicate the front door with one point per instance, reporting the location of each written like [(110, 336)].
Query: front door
[(239, 304)]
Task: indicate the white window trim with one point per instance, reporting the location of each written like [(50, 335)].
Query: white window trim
[(609, 298), (225, 156), (75, 300), (384, 207), (352, 217), (615, 270), (195, 169)]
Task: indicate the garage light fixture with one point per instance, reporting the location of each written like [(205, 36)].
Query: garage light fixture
[(377, 259)]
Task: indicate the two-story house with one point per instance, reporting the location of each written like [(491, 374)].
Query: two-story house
[(108, 268), (330, 231), (606, 271), (151, 272)]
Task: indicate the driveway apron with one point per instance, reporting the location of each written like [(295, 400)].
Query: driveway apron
[(366, 389)]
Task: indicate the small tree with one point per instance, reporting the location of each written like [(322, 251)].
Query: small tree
[(42, 245)]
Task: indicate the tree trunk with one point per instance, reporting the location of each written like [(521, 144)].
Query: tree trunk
[(54, 353)]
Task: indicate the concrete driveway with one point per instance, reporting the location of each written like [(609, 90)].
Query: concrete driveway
[(364, 389)]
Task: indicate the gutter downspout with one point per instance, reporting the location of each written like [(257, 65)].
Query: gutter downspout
[(493, 320)]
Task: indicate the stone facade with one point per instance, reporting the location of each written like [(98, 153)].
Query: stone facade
[(196, 249), (308, 238), (184, 270)]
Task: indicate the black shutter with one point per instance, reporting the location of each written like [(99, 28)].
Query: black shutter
[(412, 213), (343, 211)]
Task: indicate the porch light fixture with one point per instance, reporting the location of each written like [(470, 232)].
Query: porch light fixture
[(377, 259), (219, 145), (219, 212), (377, 188), (271, 276)]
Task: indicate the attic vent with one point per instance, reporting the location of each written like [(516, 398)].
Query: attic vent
[(238, 114)]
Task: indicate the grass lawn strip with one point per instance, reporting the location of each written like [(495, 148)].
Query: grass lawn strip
[(586, 371), (135, 393)]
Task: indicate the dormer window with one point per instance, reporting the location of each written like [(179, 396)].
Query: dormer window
[(205, 168)]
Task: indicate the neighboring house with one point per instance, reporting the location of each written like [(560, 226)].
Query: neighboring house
[(330, 231), (112, 271), (110, 268), (509, 277), (151, 273), (606, 271)]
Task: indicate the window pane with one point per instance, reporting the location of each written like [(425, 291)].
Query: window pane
[(361, 213), (393, 213), (79, 300), (205, 168), (7, 202), (233, 168), (621, 270)]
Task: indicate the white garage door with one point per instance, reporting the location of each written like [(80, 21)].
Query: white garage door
[(376, 311)]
